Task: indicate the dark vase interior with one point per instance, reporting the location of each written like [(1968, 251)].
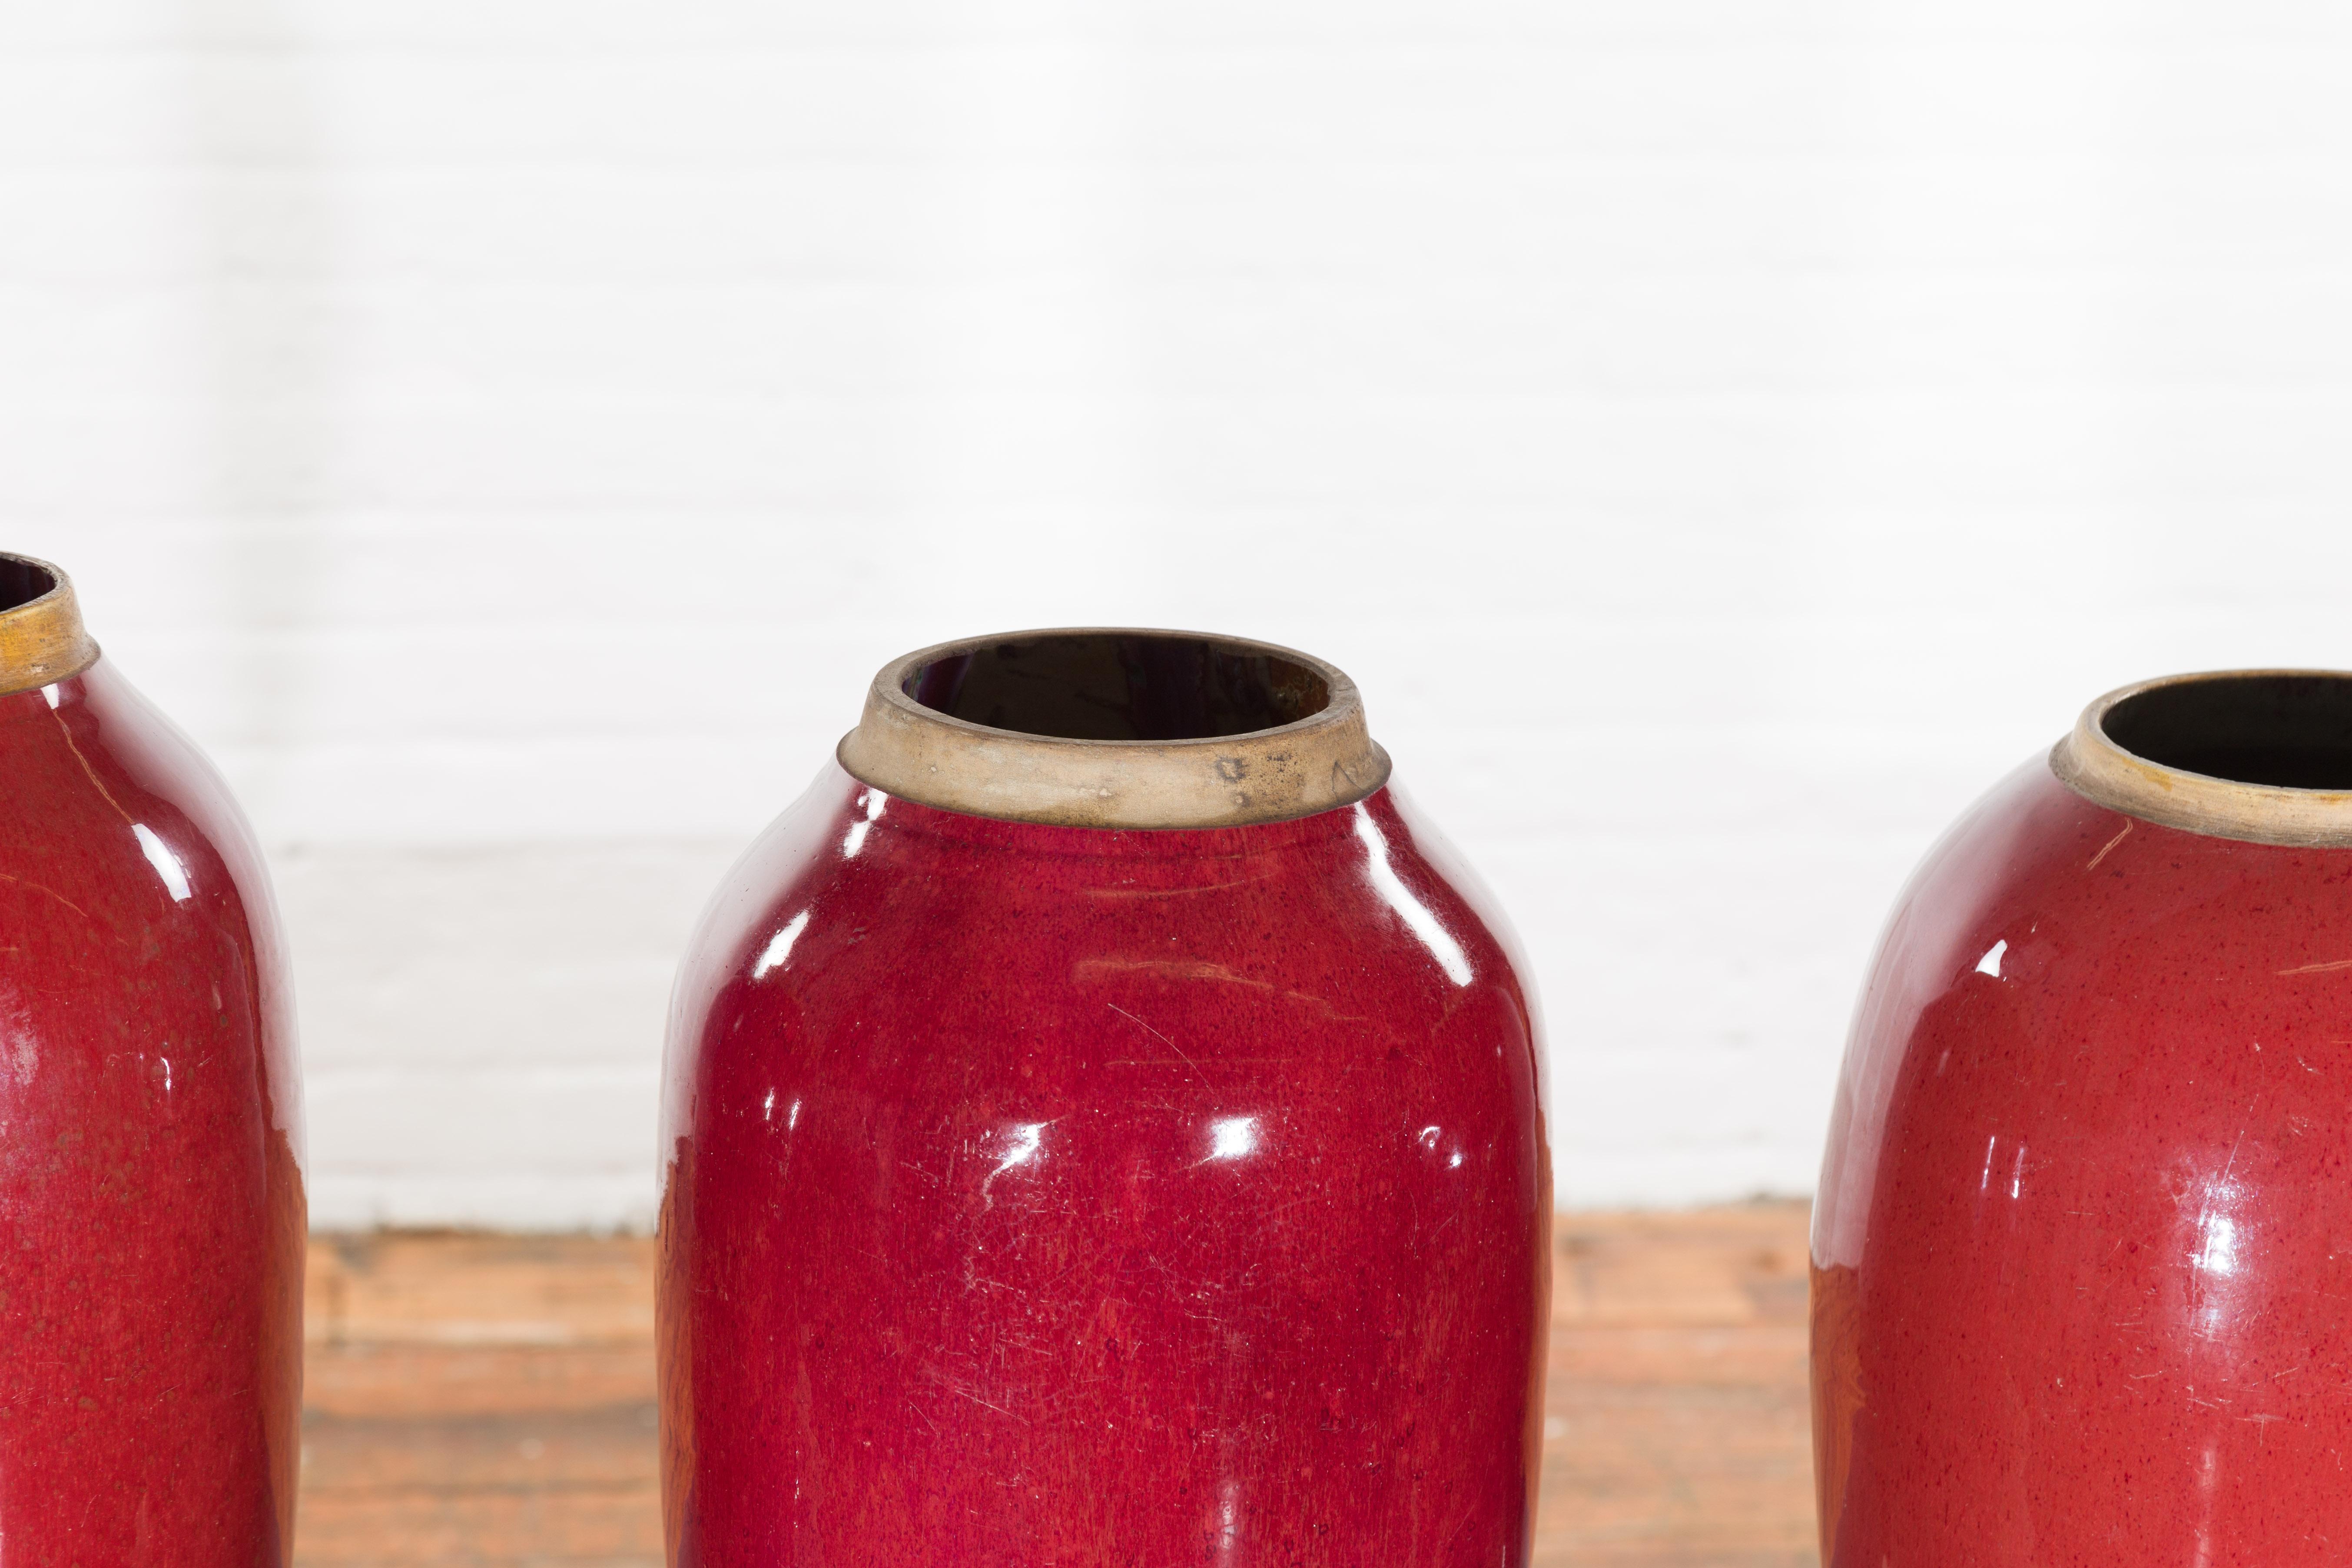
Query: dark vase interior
[(22, 582), (1123, 686), (2292, 731)]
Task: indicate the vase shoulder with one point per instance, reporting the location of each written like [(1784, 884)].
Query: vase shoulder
[(2074, 1238), (151, 1215), (1240, 1127)]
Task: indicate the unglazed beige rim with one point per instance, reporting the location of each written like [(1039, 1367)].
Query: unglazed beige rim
[(1323, 760), (42, 640), (2094, 766)]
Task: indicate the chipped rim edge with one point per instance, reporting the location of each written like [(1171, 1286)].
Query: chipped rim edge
[(42, 640), (1317, 763), (2095, 767)]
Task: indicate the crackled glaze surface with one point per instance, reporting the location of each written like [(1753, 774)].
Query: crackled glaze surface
[(1042, 1195), (2083, 1286), (151, 1204)]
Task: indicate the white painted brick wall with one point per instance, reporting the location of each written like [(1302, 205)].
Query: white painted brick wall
[(1721, 438)]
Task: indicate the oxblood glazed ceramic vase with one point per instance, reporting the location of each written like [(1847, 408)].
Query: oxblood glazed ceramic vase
[(151, 1214), (2083, 1252), (1103, 1127)]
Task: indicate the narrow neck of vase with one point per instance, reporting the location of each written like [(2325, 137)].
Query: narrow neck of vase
[(2261, 755), (42, 639), (1115, 727)]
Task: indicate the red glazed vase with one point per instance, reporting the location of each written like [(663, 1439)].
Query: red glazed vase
[(2083, 1252), (151, 1214), (1103, 1127)]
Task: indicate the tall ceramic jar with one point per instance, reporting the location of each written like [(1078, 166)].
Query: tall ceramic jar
[(1103, 1127), (2083, 1253), (151, 1214)]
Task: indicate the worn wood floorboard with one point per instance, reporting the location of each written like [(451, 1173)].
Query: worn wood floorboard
[(478, 1400)]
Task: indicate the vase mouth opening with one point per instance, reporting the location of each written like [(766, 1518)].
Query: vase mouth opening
[(2264, 755), (25, 581), (2287, 731), (1115, 727), (41, 636), (1118, 686)]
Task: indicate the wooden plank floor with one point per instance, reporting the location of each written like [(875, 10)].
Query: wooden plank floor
[(490, 1400)]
